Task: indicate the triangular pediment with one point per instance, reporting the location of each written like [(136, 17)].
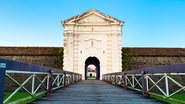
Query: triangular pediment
[(92, 17)]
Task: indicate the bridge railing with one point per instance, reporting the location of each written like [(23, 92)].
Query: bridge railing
[(20, 82), (165, 81), (64, 78)]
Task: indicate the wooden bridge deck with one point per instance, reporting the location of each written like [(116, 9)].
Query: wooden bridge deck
[(95, 92)]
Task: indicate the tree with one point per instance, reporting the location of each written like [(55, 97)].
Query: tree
[(59, 61), (125, 60)]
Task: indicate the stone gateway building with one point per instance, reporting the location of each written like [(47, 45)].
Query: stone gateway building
[(92, 38)]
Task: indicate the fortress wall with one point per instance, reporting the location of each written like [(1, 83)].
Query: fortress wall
[(139, 57), (45, 56), (150, 61), (148, 57)]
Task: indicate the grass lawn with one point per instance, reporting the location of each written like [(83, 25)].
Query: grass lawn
[(21, 95), (179, 97), (175, 99), (91, 77)]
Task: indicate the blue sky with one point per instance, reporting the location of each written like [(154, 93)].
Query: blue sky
[(148, 23)]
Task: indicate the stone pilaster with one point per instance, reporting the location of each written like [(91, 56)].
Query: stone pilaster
[(109, 52)]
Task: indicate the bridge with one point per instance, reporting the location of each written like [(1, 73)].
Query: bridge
[(27, 83), (95, 92)]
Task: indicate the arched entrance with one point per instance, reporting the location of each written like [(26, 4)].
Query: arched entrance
[(91, 71)]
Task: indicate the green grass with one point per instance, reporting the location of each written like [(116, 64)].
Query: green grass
[(179, 97), (175, 99), (21, 95), (91, 77)]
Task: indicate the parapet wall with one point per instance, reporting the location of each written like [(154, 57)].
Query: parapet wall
[(148, 57), (44, 56)]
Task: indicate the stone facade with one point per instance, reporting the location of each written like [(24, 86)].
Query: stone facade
[(92, 34)]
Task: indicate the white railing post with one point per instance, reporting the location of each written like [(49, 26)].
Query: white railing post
[(48, 76), (33, 84), (133, 81), (146, 77), (166, 84)]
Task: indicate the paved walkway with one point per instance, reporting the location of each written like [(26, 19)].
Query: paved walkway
[(95, 92)]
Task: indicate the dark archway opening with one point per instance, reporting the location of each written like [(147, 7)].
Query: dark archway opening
[(92, 61)]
